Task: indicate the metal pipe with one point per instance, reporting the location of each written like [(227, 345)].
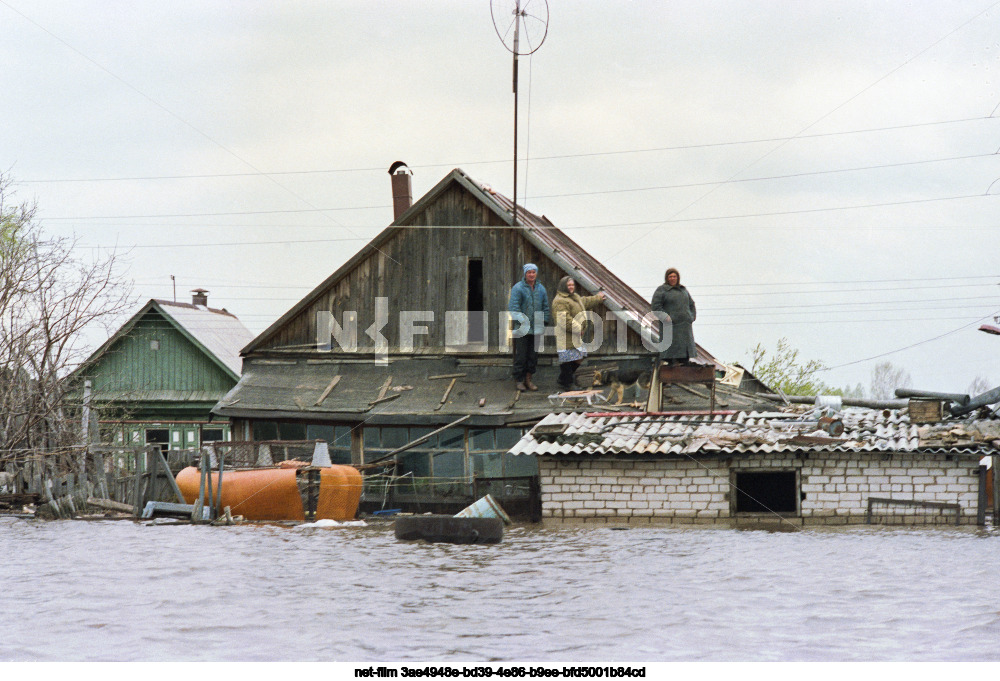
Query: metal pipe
[(952, 397), (977, 402), (852, 402)]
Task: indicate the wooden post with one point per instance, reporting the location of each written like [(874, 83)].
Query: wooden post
[(208, 490), (137, 483), (171, 483), (981, 506), (197, 512), (217, 507), (996, 490)]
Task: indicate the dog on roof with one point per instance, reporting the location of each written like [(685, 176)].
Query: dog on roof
[(635, 381)]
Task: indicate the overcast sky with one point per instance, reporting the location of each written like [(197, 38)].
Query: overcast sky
[(817, 171)]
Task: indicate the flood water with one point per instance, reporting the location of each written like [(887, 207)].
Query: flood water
[(122, 590)]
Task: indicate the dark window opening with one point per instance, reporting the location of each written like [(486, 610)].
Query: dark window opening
[(475, 302), (212, 435), (265, 430), (158, 436), (770, 492)]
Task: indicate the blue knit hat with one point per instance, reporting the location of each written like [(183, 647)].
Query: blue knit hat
[(530, 266)]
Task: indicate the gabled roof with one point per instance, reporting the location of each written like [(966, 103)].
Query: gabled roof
[(620, 298), (217, 333)]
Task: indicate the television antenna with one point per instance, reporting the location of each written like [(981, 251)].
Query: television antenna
[(522, 26)]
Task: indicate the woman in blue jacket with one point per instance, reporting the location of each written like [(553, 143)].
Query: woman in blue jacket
[(528, 297)]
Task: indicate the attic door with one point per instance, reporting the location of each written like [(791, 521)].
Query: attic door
[(465, 314)]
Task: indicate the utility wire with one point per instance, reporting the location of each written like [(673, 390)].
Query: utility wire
[(178, 117), (682, 147), (764, 178), (913, 345), (814, 123), (662, 222)]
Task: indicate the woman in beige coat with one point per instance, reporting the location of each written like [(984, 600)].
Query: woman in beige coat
[(566, 307)]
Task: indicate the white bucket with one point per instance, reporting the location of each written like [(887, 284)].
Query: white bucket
[(487, 507)]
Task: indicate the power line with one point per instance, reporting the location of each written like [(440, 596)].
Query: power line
[(816, 122), (855, 281), (913, 345), (810, 306), (173, 114), (843, 290), (788, 176), (227, 283), (680, 147), (740, 216), (858, 321)]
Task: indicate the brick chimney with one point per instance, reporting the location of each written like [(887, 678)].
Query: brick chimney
[(199, 297), (402, 192)]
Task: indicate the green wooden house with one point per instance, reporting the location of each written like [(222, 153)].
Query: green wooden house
[(157, 378)]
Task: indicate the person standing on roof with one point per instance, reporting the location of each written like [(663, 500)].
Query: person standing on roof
[(567, 310), (528, 298), (674, 300)]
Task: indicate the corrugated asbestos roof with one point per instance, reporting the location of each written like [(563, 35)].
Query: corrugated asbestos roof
[(744, 432), (219, 331)]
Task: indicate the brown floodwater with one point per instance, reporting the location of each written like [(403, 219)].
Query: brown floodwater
[(122, 590)]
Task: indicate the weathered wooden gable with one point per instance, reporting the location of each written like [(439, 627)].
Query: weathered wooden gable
[(422, 265), (154, 356)]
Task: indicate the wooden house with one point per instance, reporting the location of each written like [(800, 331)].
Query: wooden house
[(157, 378), (409, 335)]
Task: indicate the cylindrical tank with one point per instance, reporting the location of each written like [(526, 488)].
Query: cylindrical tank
[(273, 493)]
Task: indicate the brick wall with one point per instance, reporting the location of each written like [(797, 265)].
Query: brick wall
[(831, 488)]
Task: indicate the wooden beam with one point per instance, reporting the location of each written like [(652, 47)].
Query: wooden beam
[(431, 378), (329, 389), (419, 441), (384, 390), (383, 399), (446, 393)]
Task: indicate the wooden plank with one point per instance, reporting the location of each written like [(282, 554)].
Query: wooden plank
[(170, 479), (380, 400), (384, 390), (329, 389), (447, 392), (110, 505), (431, 378), (517, 396)]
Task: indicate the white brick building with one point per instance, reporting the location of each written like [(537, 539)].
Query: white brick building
[(756, 468)]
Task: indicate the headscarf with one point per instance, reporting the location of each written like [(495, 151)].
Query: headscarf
[(530, 266), (668, 273), (563, 286)]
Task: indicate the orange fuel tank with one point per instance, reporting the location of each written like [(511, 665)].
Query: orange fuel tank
[(273, 493)]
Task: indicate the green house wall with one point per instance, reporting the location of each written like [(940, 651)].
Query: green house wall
[(131, 366)]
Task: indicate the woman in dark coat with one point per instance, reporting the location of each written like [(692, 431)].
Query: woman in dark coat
[(674, 300)]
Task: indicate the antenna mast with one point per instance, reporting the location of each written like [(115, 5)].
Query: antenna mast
[(533, 24)]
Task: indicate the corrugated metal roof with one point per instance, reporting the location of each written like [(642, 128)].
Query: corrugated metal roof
[(219, 331), (744, 432), (557, 245)]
